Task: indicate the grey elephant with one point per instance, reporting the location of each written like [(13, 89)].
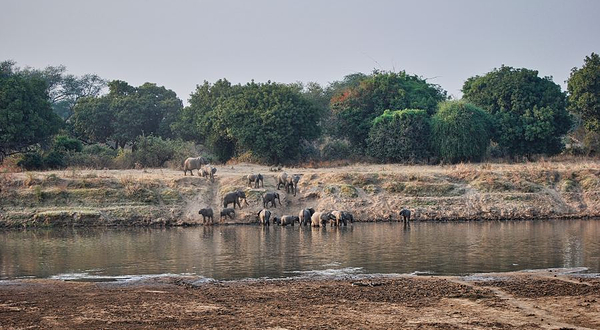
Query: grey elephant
[(405, 215), (288, 220), (270, 197), (193, 164), (342, 217), (264, 216), (276, 221), (321, 218), (255, 179), (228, 212), (206, 214), (282, 180), (305, 214), (292, 184), (234, 197), (209, 171)]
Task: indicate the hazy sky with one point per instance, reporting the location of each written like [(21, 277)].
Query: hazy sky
[(179, 43)]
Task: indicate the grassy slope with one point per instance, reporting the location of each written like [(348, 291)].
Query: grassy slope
[(372, 192)]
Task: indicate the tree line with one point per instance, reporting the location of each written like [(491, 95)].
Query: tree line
[(47, 116)]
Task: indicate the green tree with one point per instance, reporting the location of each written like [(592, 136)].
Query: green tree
[(529, 112), (400, 136), (584, 92), (461, 132), (127, 112), (26, 117), (270, 120), (367, 97)]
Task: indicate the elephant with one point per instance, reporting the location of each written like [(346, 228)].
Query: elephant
[(348, 216), (321, 218), (292, 183), (206, 213), (256, 179), (209, 171), (263, 217), (282, 180), (234, 198), (340, 218), (276, 221), (305, 214), (289, 220), (193, 164), (228, 212), (405, 215), (270, 197)]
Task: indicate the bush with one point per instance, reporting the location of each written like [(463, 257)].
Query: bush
[(461, 132), (65, 143), (400, 136), (54, 159), (31, 161), (152, 151), (96, 156), (336, 149)]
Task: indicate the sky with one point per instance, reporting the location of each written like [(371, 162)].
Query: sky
[(181, 43)]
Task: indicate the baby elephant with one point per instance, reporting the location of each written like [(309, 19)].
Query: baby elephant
[(288, 220), (405, 215), (269, 198), (256, 179), (206, 213), (228, 212)]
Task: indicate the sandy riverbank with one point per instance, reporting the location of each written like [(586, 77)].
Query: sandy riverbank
[(159, 197), (541, 300)]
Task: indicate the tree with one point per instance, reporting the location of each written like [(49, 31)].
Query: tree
[(400, 136), (357, 105), (584, 92), (461, 132), (270, 120), (127, 112), (65, 89), (529, 112), (26, 117)]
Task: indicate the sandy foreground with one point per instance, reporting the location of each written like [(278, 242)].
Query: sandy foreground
[(540, 300)]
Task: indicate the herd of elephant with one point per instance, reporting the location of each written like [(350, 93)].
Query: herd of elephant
[(289, 182)]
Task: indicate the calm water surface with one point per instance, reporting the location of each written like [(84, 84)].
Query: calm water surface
[(236, 252)]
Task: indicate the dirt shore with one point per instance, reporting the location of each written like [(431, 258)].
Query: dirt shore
[(543, 300), (164, 197)]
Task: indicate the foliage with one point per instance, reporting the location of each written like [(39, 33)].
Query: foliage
[(584, 92), (65, 143), (336, 149), (369, 96), (31, 161), (26, 117), (269, 120), (127, 112), (460, 132), (54, 159), (529, 112), (96, 156), (400, 136)]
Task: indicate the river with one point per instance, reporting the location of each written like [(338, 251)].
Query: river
[(251, 251)]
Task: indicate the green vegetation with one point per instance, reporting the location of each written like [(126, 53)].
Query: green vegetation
[(529, 112), (400, 136), (461, 132)]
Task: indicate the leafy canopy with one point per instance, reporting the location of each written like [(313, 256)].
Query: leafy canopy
[(529, 112), (584, 92), (461, 132), (26, 117), (400, 136), (367, 97)]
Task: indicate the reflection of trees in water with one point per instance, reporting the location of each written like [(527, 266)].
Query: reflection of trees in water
[(255, 251)]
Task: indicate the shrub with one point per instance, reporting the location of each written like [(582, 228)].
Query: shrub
[(31, 161), (336, 149), (54, 159), (461, 132), (96, 156), (65, 143), (400, 136)]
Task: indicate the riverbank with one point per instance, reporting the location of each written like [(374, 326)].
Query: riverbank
[(163, 197), (541, 300)]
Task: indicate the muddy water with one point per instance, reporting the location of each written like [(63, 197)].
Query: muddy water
[(235, 252)]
